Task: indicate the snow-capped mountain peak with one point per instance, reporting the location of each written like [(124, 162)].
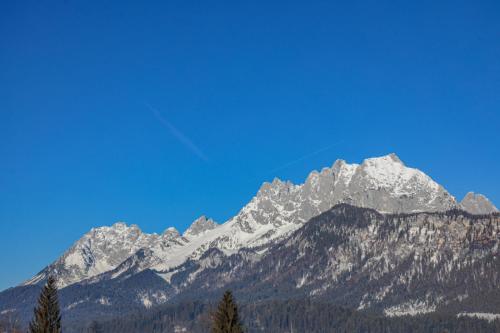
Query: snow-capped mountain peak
[(279, 207), (171, 233), (391, 173), (100, 250)]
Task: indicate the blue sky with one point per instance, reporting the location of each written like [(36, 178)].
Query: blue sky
[(156, 113)]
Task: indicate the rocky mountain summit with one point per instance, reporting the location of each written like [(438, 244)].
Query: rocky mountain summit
[(384, 184), (103, 249), (280, 207), (477, 204), (199, 226), (395, 263), (392, 230), (389, 264)]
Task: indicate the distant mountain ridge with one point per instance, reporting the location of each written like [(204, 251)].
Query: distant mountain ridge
[(280, 207), (413, 221), (388, 264)]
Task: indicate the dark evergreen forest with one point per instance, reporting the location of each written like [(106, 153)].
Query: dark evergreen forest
[(287, 316)]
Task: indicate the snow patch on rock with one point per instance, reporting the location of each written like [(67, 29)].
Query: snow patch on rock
[(480, 315), (410, 308)]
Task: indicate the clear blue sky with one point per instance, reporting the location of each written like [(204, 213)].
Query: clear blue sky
[(156, 113)]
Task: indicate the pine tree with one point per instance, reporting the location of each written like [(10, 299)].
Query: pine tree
[(47, 318), (226, 319)]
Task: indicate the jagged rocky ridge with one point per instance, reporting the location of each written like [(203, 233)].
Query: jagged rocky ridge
[(355, 257), (120, 256), (383, 183), (391, 264)]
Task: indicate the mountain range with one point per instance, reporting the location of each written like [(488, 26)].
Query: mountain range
[(377, 236)]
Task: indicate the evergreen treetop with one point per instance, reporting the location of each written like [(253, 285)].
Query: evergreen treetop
[(226, 318), (47, 318)]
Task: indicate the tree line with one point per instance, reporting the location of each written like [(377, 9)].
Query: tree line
[(47, 316), (281, 316)]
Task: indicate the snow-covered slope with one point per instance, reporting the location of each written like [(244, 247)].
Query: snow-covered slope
[(399, 263), (103, 249), (393, 264), (279, 208)]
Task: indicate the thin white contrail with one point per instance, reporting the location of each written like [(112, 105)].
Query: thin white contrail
[(316, 152), (176, 133)]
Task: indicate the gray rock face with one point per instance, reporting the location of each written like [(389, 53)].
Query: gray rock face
[(382, 183), (278, 209), (387, 185), (477, 204), (108, 255), (199, 226), (398, 264), (171, 233), (395, 264), (101, 250)]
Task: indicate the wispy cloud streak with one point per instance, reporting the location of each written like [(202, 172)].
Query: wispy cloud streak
[(177, 134), (304, 157)]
